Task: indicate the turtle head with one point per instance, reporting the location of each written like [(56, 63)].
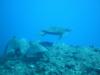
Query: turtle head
[(43, 32), (68, 30)]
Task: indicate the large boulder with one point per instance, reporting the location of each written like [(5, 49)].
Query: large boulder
[(35, 52), (16, 47)]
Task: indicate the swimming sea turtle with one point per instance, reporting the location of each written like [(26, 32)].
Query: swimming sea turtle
[(58, 31)]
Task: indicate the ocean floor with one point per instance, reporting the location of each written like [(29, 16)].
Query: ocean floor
[(24, 57)]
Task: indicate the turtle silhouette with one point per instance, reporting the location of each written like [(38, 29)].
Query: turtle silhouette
[(58, 31)]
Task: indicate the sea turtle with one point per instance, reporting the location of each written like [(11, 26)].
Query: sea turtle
[(58, 31)]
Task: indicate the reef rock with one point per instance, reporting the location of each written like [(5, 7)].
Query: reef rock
[(16, 47), (57, 59), (35, 52)]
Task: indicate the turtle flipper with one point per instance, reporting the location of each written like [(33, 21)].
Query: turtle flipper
[(60, 36)]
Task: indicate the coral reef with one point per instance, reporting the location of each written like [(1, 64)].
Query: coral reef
[(23, 57)]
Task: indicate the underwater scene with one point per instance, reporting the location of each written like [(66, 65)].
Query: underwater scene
[(49, 37)]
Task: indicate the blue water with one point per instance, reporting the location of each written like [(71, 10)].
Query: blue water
[(26, 18)]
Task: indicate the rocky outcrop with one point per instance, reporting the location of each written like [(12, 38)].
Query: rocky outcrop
[(25, 57)]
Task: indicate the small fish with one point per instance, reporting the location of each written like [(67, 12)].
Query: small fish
[(46, 43)]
